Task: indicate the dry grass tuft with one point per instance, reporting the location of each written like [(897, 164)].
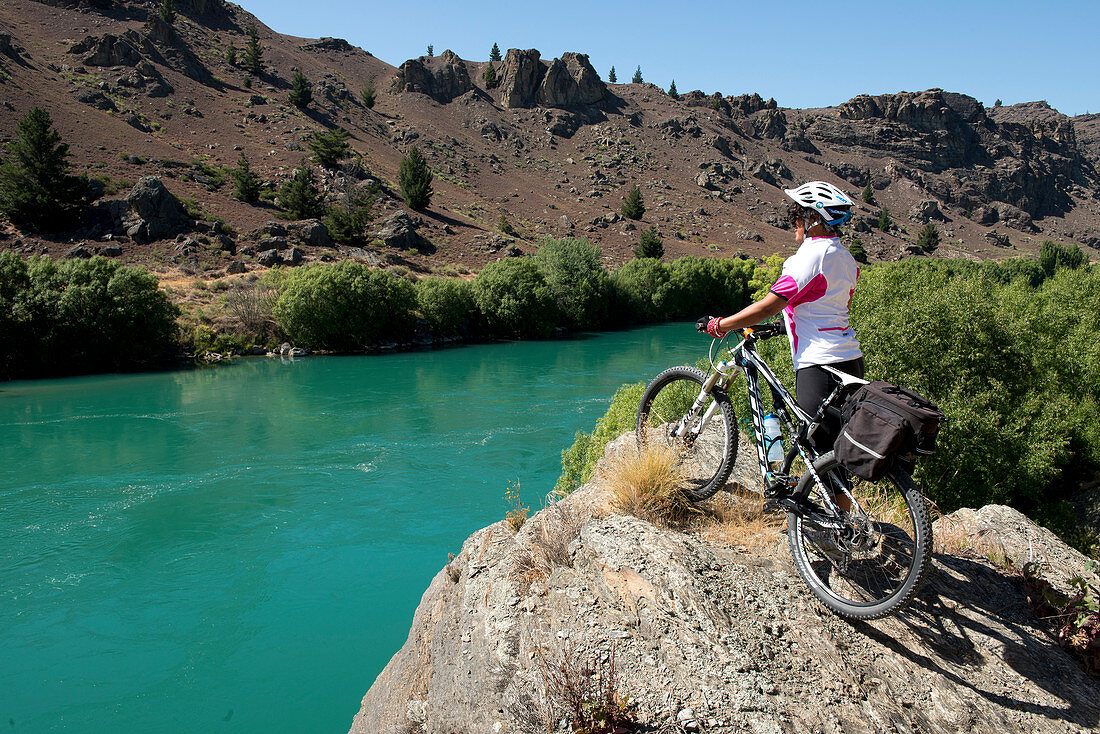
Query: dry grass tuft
[(556, 527), (517, 512), (645, 483), (738, 519), (955, 539)]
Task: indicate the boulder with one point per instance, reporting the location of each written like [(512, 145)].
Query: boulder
[(926, 211), (771, 171), (79, 250), (268, 229), (520, 78), (399, 230), (1014, 216), (269, 258), (235, 268), (310, 232), (155, 212)]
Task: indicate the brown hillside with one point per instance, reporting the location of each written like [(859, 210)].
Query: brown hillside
[(554, 151)]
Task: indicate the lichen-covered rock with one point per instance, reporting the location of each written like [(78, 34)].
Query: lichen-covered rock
[(706, 636)]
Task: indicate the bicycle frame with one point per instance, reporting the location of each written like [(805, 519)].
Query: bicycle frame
[(799, 424)]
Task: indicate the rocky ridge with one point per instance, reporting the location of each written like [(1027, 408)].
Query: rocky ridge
[(550, 145), (706, 636)]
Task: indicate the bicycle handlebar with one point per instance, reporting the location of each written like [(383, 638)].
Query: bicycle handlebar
[(766, 330)]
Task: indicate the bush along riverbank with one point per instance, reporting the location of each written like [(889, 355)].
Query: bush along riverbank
[(1009, 352)]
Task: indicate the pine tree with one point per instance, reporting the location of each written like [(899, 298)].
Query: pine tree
[(329, 148), (637, 75), (490, 76), (672, 90), (494, 54), (368, 94), (246, 183), (167, 11), (231, 54), (253, 52), (37, 192), (415, 179), (431, 51), (347, 222), (884, 220), (301, 91), (633, 206), (868, 194), (649, 244), (611, 76), (929, 238), (503, 226), (299, 196)]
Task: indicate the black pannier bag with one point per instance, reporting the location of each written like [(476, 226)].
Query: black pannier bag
[(882, 421)]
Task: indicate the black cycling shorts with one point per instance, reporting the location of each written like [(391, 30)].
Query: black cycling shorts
[(811, 386)]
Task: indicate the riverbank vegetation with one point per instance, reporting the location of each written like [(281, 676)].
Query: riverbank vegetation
[(1009, 352)]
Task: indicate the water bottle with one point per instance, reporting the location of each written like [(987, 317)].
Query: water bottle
[(773, 438)]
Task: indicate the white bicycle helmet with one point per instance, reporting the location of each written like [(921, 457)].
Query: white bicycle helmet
[(831, 203)]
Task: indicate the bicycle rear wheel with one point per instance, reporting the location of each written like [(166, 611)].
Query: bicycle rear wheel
[(665, 419), (875, 568)]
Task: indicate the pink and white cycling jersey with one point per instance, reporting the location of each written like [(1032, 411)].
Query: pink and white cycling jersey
[(818, 282)]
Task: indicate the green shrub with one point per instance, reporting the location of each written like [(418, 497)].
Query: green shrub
[(700, 286), (489, 76), (345, 307), (415, 179), (1053, 256), (578, 283), (78, 316), (368, 95), (641, 290), (447, 304), (579, 460), (515, 299), (884, 220), (868, 194)]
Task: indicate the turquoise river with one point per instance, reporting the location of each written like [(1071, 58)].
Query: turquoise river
[(240, 549)]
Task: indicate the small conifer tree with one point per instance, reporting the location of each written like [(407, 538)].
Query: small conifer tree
[(633, 206), (637, 75), (167, 11), (253, 52), (503, 226), (611, 77), (415, 179), (347, 221), (649, 244), (329, 148), (868, 194), (231, 54), (929, 238), (368, 94), (301, 91), (884, 220), (37, 192), (431, 51), (300, 197), (672, 90), (494, 54), (490, 76), (247, 185)]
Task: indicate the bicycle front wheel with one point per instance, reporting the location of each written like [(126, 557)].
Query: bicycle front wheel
[(704, 453), (874, 567)]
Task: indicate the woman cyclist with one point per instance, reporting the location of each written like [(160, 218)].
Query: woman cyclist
[(814, 292)]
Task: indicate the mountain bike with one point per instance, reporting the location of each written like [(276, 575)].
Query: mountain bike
[(863, 548)]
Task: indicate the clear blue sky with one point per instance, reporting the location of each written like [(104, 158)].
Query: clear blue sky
[(797, 52)]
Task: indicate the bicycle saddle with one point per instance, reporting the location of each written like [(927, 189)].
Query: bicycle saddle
[(844, 377)]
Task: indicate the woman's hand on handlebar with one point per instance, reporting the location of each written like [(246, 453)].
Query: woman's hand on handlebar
[(710, 325)]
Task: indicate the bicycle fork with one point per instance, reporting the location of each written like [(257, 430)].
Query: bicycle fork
[(705, 394)]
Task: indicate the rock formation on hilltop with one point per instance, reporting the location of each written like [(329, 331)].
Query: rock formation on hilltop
[(442, 78), (705, 636), (959, 153)]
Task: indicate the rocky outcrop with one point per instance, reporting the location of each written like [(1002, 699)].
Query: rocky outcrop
[(702, 635), (520, 78), (569, 82), (956, 151), (149, 212), (442, 79), (112, 50)]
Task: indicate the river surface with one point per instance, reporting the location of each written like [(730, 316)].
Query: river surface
[(241, 549)]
